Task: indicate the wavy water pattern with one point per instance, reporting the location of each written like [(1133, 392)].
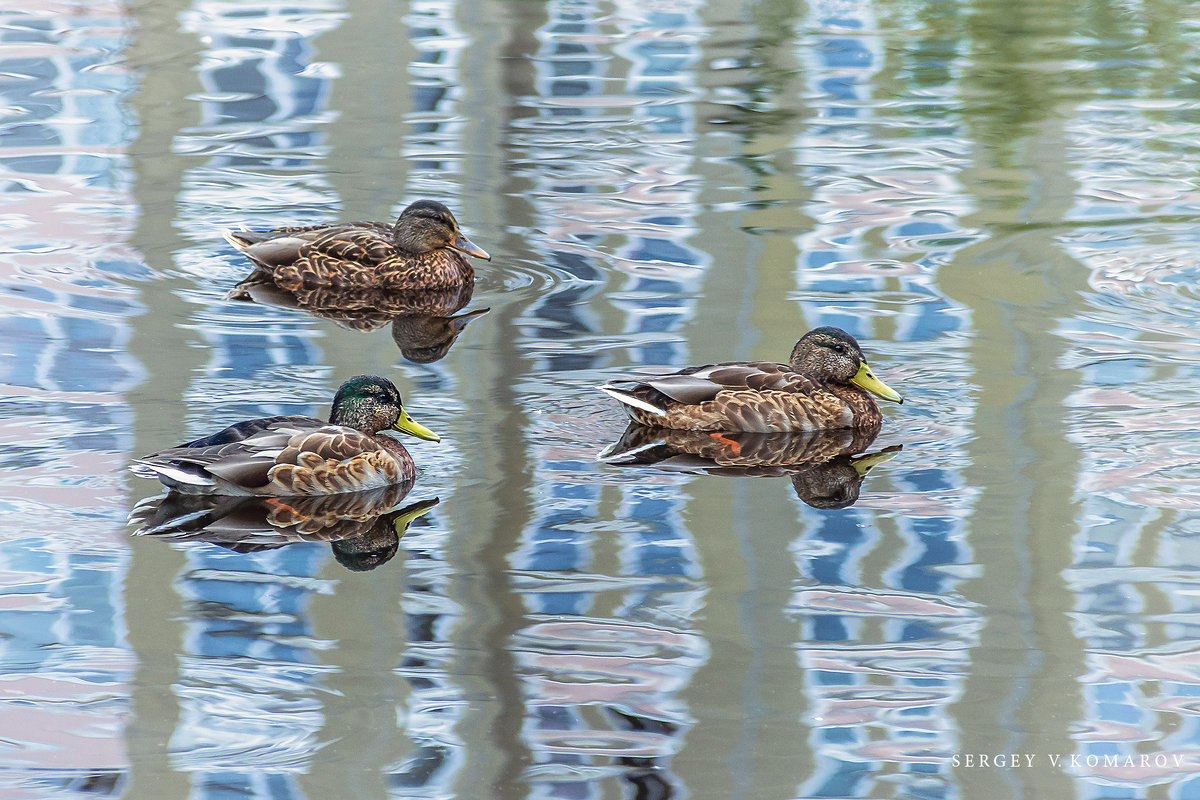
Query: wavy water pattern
[(66, 306), (996, 199)]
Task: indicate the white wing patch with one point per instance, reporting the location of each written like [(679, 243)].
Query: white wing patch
[(630, 400), (176, 474)]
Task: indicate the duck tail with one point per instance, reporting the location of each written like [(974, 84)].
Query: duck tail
[(630, 400), (176, 476), (243, 237), (238, 239)]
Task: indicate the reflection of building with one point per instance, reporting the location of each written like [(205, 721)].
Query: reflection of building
[(1133, 565), (604, 658), (609, 152), (603, 699), (65, 308), (431, 715), (882, 669), (1138, 621), (885, 636), (863, 195), (262, 115), (433, 141), (250, 669)]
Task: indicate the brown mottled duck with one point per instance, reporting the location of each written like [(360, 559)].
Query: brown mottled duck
[(826, 385), (422, 250), (296, 455)]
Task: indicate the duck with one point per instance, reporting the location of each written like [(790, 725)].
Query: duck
[(826, 385), (422, 250), (288, 456)]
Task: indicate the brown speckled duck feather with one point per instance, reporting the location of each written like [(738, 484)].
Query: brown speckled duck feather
[(422, 250), (826, 385), (292, 455)]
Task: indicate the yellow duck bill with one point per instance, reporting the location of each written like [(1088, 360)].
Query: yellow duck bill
[(465, 245), (867, 380), (406, 424)]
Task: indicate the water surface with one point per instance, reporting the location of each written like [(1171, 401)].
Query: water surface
[(998, 199)]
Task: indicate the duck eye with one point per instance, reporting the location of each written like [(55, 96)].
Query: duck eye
[(839, 348)]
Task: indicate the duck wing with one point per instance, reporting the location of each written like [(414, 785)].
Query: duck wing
[(748, 396), (695, 385), (365, 243), (755, 376), (279, 456), (250, 429)]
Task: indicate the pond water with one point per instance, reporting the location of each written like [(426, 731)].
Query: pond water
[(998, 199)]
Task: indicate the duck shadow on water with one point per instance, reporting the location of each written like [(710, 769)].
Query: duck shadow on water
[(424, 321), (363, 528), (827, 468)]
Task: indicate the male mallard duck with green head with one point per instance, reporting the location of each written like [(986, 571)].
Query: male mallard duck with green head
[(826, 385), (422, 250), (296, 455)]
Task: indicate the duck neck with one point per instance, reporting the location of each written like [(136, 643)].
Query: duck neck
[(408, 241), (352, 414), (860, 400)]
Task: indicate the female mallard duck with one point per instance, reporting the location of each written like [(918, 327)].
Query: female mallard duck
[(282, 456), (827, 385), (421, 251)]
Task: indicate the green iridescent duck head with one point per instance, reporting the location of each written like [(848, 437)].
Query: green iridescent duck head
[(371, 404)]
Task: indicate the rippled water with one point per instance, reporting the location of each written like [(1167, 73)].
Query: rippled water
[(998, 199)]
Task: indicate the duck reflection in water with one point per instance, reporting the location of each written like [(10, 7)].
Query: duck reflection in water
[(424, 322), (827, 468), (363, 528)]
